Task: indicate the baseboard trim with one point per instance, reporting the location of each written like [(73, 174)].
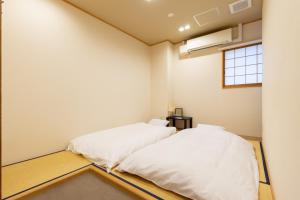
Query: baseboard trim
[(251, 138)]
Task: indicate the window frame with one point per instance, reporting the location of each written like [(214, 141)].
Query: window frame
[(223, 70)]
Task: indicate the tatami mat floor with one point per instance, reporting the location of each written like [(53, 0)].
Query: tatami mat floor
[(23, 178)]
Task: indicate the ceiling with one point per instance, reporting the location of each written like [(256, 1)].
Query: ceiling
[(149, 21)]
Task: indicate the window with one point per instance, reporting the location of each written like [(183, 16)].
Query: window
[(243, 67)]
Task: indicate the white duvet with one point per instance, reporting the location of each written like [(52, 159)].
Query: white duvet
[(107, 148), (199, 163)]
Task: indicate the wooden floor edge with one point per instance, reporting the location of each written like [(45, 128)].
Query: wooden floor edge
[(47, 183), (130, 187), (270, 179), (126, 186), (264, 164)]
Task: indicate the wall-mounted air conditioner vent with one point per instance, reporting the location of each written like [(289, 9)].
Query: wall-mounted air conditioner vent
[(239, 6), (210, 40)]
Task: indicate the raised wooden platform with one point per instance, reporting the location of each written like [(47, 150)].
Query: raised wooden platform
[(36, 175), (24, 177)]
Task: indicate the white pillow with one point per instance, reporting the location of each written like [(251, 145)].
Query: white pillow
[(158, 122), (210, 126)]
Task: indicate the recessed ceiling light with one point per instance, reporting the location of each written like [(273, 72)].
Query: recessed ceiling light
[(181, 29), (184, 28), (171, 15), (187, 27), (148, 0)]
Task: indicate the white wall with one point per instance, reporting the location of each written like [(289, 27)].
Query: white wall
[(281, 96), (196, 86), (198, 90), (161, 57), (66, 73)]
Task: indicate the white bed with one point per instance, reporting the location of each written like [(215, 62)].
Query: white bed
[(107, 148), (204, 163)]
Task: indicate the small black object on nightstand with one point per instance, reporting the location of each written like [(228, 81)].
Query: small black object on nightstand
[(185, 120)]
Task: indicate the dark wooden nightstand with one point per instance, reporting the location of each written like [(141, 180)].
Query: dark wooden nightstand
[(185, 120)]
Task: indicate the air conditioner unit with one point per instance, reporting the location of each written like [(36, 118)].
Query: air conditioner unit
[(210, 40)]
